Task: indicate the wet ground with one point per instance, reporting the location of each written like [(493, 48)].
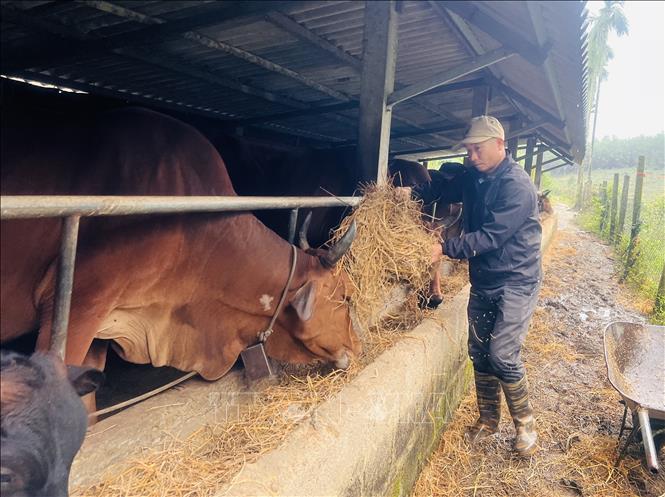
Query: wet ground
[(577, 410)]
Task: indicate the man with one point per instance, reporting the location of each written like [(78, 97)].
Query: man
[(502, 242)]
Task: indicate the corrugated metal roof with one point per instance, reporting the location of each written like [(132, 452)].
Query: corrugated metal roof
[(244, 64)]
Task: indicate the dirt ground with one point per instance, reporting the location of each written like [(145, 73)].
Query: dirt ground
[(577, 410)]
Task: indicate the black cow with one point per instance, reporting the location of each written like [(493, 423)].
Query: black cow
[(43, 422)]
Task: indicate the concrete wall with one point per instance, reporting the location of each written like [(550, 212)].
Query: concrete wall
[(375, 435)]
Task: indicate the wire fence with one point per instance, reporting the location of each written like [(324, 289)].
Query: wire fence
[(633, 224)]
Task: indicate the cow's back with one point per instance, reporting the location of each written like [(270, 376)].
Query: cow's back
[(122, 152), (408, 173), (259, 168)]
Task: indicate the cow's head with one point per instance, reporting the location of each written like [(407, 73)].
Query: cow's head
[(43, 422), (544, 203), (317, 318)]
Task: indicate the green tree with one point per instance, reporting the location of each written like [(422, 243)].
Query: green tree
[(611, 18)]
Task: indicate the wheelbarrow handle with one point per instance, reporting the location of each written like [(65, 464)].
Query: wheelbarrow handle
[(647, 439)]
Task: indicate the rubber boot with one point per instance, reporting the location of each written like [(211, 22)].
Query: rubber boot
[(517, 398), (488, 395)]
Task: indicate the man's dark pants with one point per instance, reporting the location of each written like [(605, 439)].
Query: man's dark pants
[(498, 324)]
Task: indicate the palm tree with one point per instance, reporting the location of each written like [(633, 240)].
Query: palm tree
[(610, 18)]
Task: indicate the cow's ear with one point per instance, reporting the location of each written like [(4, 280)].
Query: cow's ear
[(84, 379), (303, 301)]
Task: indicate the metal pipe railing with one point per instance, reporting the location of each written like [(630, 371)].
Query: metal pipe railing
[(30, 206), (72, 208)]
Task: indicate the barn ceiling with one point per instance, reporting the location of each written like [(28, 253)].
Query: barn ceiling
[(294, 67)]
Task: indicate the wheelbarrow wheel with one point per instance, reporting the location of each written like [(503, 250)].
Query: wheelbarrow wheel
[(658, 430)]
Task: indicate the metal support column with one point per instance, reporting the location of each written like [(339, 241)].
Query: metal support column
[(480, 101), (377, 83), (528, 157), (513, 143), (539, 165), (65, 279)]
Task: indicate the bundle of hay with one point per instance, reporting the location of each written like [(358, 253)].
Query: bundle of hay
[(392, 251)]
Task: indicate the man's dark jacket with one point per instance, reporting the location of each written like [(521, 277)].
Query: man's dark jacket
[(501, 229)]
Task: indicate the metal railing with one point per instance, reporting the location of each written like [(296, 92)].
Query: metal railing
[(72, 208)]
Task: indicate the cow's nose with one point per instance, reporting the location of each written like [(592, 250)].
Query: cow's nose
[(343, 362)]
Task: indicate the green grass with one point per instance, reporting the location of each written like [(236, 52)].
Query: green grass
[(648, 257)]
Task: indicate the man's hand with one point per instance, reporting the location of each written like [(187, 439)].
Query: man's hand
[(437, 253), (403, 192)]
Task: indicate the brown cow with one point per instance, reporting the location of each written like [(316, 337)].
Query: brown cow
[(188, 291), (266, 169), (443, 217), (544, 204), (42, 421), (258, 168)]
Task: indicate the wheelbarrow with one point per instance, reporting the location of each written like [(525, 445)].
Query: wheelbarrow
[(635, 357)]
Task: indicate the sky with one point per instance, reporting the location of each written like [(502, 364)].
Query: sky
[(632, 99)]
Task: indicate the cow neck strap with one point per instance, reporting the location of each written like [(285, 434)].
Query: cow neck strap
[(263, 335)]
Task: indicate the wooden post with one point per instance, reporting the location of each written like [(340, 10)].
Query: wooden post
[(613, 207), (659, 304), (539, 166), (623, 207), (528, 157), (603, 206), (635, 226), (513, 143), (377, 83), (480, 101)]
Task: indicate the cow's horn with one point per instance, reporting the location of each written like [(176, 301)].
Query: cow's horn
[(340, 248), (302, 235)]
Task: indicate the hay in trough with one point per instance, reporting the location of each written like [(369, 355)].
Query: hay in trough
[(201, 463), (392, 248), (211, 457)]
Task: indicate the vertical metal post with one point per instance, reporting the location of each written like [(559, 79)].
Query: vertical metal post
[(539, 166), (65, 281), (377, 83), (528, 157), (293, 219), (480, 101), (635, 226), (513, 143), (623, 207), (613, 207)]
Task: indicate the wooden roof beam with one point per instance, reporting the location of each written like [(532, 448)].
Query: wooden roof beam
[(527, 129), (325, 109), (506, 36), (470, 41), (299, 31), (526, 102), (450, 75), (565, 163)]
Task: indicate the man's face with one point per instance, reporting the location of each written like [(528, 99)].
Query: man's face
[(486, 156)]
